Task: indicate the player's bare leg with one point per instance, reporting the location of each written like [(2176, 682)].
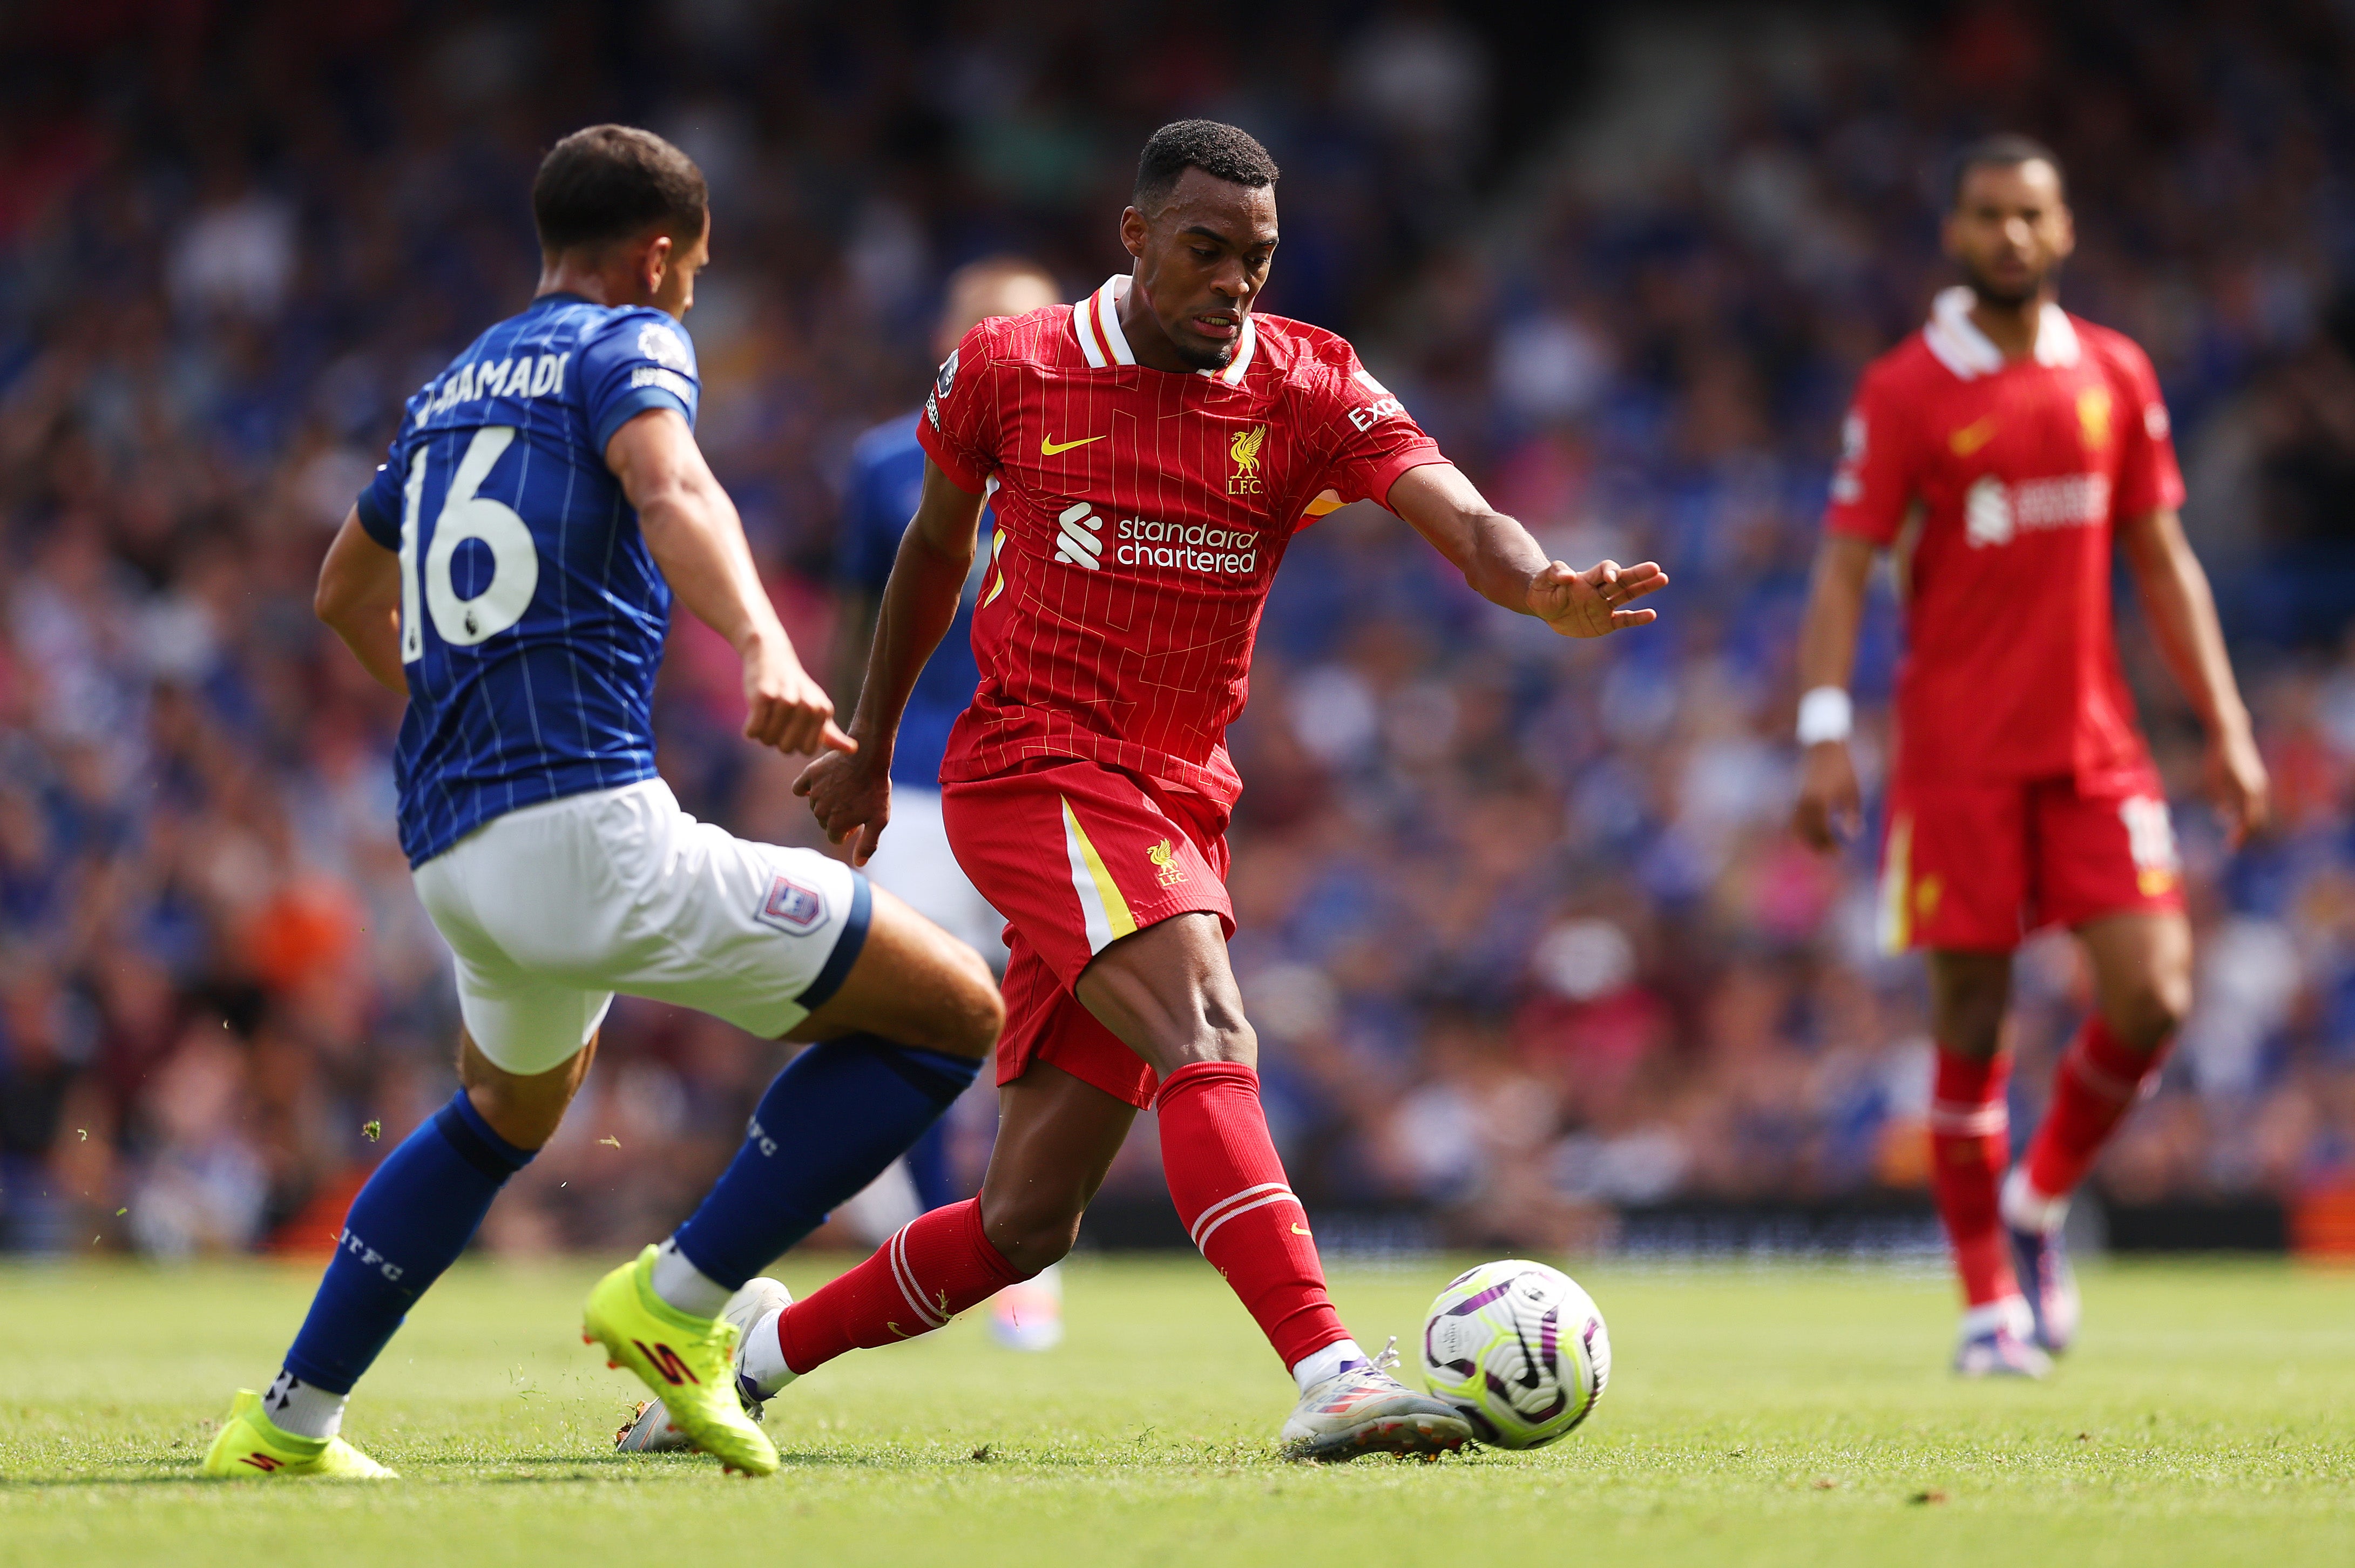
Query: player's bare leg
[(915, 984), (1970, 1143), (523, 1108), (1168, 993), (2142, 975), (2141, 964), (1057, 1136), (1056, 1139), (1969, 995)]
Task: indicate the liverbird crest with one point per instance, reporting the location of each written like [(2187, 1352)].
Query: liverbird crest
[(1244, 449)]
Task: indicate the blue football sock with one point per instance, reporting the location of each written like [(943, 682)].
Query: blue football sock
[(409, 1224), (928, 1168), (839, 1114)]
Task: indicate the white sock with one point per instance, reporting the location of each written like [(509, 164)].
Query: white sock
[(762, 1361), (1989, 1316), (305, 1410), (2025, 1209), (1328, 1362), (686, 1286)]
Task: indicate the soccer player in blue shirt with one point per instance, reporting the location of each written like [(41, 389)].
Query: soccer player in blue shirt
[(887, 476), (511, 570)]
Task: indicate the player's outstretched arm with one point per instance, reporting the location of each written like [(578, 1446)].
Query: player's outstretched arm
[(692, 530), (2182, 610), (1830, 807), (853, 794), (1506, 566), (360, 598)]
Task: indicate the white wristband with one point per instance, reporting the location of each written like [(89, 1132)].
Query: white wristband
[(1825, 714)]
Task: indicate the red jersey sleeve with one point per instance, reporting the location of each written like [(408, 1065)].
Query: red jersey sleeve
[(1875, 483), (958, 429), (1367, 436), (2148, 477)]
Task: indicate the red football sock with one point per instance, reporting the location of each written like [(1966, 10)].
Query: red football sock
[(1229, 1189), (1970, 1143), (2099, 1080), (933, 1268)]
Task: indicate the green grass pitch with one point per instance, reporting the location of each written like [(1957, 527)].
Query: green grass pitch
[(1757, 1416)]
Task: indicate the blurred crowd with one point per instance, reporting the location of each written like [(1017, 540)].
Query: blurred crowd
[(1521, 929)]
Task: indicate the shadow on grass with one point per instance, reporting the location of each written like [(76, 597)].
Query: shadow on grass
[(614, 1468), (519, 1469), (20, 1485)]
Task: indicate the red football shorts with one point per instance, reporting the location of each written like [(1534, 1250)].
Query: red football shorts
[(1976, 866), (1076, 856)]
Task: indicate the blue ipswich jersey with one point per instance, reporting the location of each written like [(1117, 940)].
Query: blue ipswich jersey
[(532, 616), (887, 478)]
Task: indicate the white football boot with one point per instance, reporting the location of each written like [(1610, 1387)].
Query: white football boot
[(1364, 1410), (649, 1428), (1995, 1342), (2040, 1260)]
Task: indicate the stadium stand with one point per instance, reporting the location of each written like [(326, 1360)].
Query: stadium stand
[(1521, 920)]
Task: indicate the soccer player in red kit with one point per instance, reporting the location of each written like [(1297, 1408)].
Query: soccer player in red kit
[(1151, 450), (2002, 452)]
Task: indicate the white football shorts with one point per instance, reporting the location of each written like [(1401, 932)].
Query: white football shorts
[(552, 909)]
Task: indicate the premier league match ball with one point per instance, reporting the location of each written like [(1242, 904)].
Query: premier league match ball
[(1517, 1347)]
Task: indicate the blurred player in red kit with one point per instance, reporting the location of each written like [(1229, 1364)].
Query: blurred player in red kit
[(1149, 452), (2001, 452)]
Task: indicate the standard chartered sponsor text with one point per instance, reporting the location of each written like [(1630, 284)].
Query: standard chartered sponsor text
[(2073, 500), (1196, 547)]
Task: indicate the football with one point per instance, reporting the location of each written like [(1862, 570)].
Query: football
[(1519, 1349)]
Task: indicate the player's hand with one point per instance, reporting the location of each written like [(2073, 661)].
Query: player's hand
[(1831, 808), (2238, 784), (785, 708), (848, 794), (1594, 602)]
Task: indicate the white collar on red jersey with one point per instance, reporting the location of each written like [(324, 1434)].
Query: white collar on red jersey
[(1962, 349), (1095, 322)]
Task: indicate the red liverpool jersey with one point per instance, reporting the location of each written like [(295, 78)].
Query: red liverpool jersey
[(1140, 515), (2000, 485)]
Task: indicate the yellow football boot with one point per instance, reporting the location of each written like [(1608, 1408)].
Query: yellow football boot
[(688, 1362), (249, 1444)]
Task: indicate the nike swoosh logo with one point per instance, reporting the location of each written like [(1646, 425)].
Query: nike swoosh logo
[(1971, 437), (1049, 445), (1298, 1229)]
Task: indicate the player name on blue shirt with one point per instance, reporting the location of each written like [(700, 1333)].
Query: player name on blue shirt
[(532, 616)]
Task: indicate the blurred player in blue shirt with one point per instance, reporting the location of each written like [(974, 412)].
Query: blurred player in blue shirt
[(912, 859), (886, 474)]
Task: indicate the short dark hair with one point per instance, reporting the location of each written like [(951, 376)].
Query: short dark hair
[(1222, 152), (2006, 150), (614, 182)]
